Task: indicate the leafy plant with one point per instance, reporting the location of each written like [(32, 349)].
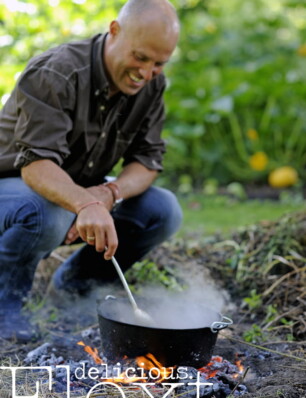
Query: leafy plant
[(254, 335), (236, 84), (147, 272), (254, 301), (271, 313), (244, 62)]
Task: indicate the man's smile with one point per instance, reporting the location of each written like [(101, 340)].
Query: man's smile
[(134, 78)]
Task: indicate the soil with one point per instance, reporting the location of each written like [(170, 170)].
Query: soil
[(274, 369)]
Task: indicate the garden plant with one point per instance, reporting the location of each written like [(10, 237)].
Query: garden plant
[(236, 86)]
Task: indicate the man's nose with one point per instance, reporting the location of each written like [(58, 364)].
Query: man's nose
[(149, 71)]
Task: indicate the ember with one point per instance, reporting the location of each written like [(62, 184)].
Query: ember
[(148, 369), (132, 377), (219, 365), (217, 379), (222, 375)]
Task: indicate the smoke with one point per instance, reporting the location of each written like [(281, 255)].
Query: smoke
[(196, 307), (73, 311)]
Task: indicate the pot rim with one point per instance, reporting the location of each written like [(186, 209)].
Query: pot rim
[(220, 324)]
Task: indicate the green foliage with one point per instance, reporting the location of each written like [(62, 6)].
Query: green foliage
[(236, 81), (271, 313), (29, 28), (147, 272), (239, 67), (258, 333), (254, 334), (236, 190), (254, 301), (269, 268)]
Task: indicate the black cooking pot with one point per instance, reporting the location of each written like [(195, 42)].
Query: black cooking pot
[(121, 335)]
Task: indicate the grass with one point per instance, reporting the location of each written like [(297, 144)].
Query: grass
[(208, 215)]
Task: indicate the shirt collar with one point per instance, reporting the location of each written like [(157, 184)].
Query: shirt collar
[(100, 82)]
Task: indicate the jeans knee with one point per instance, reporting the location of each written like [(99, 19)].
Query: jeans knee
[(157, 210), (45, 221), (170, 212), (56, 223)]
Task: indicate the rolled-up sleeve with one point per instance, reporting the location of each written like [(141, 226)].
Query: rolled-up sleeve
[(148, 147), (44, 100)]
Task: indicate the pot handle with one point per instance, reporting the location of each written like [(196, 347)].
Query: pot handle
[(110, 297), (219, 325)]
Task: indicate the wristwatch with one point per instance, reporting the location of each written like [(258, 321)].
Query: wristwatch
[(117, 198)]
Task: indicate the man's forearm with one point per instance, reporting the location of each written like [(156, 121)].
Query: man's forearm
[(50, 181), (94, 223), (53, 183), (135, 179)]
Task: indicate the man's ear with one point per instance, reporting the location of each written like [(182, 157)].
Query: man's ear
[(114, 28)]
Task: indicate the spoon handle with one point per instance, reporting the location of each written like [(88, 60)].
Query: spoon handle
[(125, 284)]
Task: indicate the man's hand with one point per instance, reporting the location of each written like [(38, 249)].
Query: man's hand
[(53, 183), (95, 226), (94, 221), (100, 193)]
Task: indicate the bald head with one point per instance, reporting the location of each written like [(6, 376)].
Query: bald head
[(139, 43), (158, 12)]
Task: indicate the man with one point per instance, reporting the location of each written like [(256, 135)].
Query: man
[(75, 111)]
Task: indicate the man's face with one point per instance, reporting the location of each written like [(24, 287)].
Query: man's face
[(136, 56)]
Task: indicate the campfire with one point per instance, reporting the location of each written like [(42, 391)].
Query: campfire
[(170, 359), (217, 379), (276, 363), (147, 368)]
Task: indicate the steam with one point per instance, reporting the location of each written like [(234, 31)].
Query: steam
[(197, 306), (193, 308)]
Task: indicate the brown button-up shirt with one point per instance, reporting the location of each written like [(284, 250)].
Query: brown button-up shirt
[(59, 110)]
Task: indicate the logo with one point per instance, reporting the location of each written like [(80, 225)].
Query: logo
[(45, 374)]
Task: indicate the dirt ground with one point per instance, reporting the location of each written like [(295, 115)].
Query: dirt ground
[(273, 369)]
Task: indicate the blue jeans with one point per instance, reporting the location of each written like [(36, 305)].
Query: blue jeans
[(31, 227)]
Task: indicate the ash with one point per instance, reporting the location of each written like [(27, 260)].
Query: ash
[(84, 373), (222, 385)]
